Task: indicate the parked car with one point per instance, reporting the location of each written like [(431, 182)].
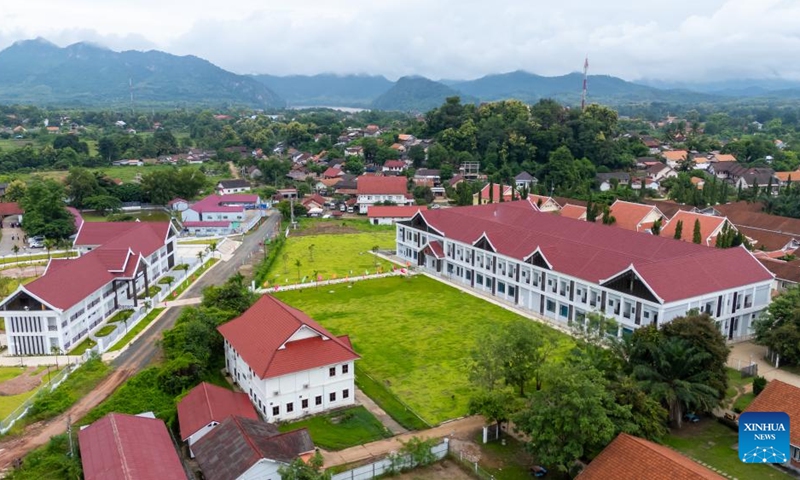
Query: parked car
[(342, 207), (538, 471), (691, 417)]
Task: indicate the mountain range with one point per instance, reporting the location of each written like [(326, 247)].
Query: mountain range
[(86, 75)]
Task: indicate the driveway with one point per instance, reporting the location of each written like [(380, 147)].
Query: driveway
[(742, 354)]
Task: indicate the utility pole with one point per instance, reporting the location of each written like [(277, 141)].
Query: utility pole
[(583, 93)]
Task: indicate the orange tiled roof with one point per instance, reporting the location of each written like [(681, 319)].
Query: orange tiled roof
[(675, 155), (708, 225), (630, 215), (573, 211), (780, 397)]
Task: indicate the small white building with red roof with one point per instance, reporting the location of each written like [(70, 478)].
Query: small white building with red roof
[(118, 261), (372, 189), (288, 364), (388, 215), (206, 406), (221, 214)]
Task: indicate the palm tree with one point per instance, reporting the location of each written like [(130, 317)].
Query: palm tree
[(298, 264), (212, 247), (15, 249), (676, 378), (49, 243), (200, 255)]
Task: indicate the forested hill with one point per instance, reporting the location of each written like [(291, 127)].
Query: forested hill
[(327, 89), (417, 94), (38, 72)]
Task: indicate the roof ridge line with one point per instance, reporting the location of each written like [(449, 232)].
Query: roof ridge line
[(246, 435), (120, 450), (208, 400)]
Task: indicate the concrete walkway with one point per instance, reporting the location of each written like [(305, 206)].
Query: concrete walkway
[(742, 354), (379, 413), (464, 428), (180, 302)]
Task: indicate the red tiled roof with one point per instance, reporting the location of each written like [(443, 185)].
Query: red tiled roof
[(208, 224), (223, 203), (333, 172), (596, 252), (10, 208), (394, 164), (675, 155), (127, 447), (435, 248), (751, 215), (76, 215), (317, 198), (237, 444), (372, 185), (708, 226), (630, 216), (393, 211), (176, 200), (633, 458), (535, 199), (576, 212), (208, 403), (496, 192), (260, 336), (789, 271), (779, 396)]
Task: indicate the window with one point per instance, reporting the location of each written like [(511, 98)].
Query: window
[(276, 411), (551, 306), (332, 371), (304, 403), (289, 407), (564, 311), (501, 287), (345, 368), (332, 397), (479, 279), (512, 290), (318, 400), (345, 393)]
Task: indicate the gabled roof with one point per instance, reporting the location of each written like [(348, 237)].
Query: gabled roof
[(394, 211), (10, 208), (127, 447), (434, 248), (675, 155), (724, 157), (524, 177), (237, 444), (372, 185), (634, 458), (709, 226), (143, 237), (779, 396), (631, 216), (576, 212), (496, 188), (433, 172), (394, 164), (262, 336), (316, 198), (208, 403), (593, 251), (235, 183), (333, 172), (223, 203)]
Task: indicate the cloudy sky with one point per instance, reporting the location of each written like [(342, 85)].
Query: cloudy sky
[(681, 40)]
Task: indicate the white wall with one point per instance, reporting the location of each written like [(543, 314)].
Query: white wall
[(262, 470), (193, 438)]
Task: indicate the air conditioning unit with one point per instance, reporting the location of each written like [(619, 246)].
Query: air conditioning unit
[(276, 393), (305, 386)]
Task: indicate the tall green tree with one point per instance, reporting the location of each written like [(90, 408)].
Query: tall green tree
[(45, 210), (779, 327), (678, 230), (81, 184), (696, 238)]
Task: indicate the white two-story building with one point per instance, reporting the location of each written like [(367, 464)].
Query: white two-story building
[(372, 189), (118, 262), (221, 214), (561, 269), (287, 363)]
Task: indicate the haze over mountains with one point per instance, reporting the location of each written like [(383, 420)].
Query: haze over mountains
[(85, 75)]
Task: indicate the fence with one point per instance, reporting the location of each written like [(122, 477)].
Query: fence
[(20, 411), (390, 464), (472, 464), (337, 281)]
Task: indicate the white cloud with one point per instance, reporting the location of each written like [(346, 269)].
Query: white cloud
[(681, 40)]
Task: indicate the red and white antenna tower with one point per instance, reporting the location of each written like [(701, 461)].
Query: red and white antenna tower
[(583, 93)]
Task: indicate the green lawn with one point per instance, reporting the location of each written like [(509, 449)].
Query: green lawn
[(331, 255), (712, 443), (7, 373), (413, 335), (29, 258), (105, 331), (388, 401), (187, 282), (9, 403), (144, 216), (341, 429), (121, 316), (743, 402), (82, 347), (132, 332)]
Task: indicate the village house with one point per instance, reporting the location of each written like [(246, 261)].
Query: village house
[(245, 449), (525, 180), (354, 151), (633, 458), (491, 193), (779, 396), (544, 204), (288, 364), (675, 157), (658, 171), (730, 171), (229, 187), (562, 269), (786, 178), (117, 262), (371, 190), (333, 172), (128, 447), (389, 215), (763, 178), (710, 227), (576, 212), (206, 406), (608, 181), (722, 157), (635, 217), (222, 214), (315, 205), (394, 166)]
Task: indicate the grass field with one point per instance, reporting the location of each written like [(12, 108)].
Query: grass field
[(132, 332), (712, 443), (341, 429), (339, 255), (7, 373), (413, 335), (125, 174), (81, 348)]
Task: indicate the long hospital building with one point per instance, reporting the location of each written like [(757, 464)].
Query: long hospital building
[(562, 269)]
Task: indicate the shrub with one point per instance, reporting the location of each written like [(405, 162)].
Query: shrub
[(79, 383), (274, 249), (121, 316), (759, 383), (166, 280), (181, 266)]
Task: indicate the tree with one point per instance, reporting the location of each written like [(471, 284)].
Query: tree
[(656, 228), (232, 296), (423, 194), (298, 264), (15, 191), (678, 230), (49, 243), (417, 155), (463, 194), (571, 417), (158, 187), (212, 248), (779, 327), (675, 377), (103, 203), (311, 253), (496, 405), (608, 219), (300, 470), (696, 238), (45, 211), (81, 184)]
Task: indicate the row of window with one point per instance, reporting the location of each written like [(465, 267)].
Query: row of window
[(289, 408), (345, 369)]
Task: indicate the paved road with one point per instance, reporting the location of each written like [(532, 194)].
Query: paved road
[(134, 358)]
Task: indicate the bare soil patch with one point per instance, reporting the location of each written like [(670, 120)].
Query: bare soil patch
[(24, 383), (444, 470)]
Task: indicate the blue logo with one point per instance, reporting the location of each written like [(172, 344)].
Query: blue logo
[(764, 437)]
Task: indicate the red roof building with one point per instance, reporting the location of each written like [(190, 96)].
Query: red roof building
[(710, 227), (394, 166), (273, 347), (576, 212), (372, 189), (206, 406), (563, 269), (780, 396), (636, 217), (243, 448), (633, 458), (332, 172), (387, 215), (128, 447), (491, 193)]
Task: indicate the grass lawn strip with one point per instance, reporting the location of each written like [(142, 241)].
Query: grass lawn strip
[(341, 429), (186, 283), (413, 335), (121, 316), (712, 443), (81, 348), (132, 332), (743, 402), (7, 373), (333, 255), (388, 401), (105, 331)]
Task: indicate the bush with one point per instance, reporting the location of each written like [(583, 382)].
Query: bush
[(166, 280), (759, 383), (181, 266), (274, 249), (121, 316), (140, 393), (79, 383)]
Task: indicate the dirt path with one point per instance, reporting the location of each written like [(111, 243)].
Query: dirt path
[(24, 382), (23, 272), (39, 433), (233, 169)]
